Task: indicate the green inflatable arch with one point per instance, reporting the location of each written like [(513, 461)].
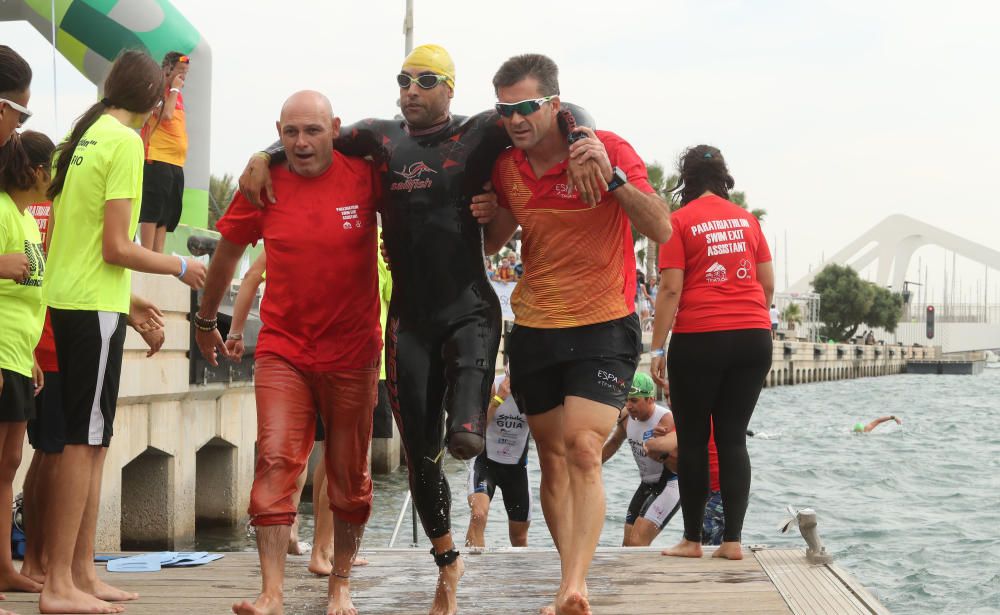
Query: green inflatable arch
[(90, 33)]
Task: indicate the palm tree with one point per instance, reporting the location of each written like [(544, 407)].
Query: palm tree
[(792, 314), (740, 198), (220, 195)]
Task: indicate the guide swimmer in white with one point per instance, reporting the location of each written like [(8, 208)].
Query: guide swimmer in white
[(504, 464), (649, 429)]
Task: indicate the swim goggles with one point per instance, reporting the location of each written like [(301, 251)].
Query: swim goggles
[(427, 81), (25, 114), (184, 60), (525, 107)]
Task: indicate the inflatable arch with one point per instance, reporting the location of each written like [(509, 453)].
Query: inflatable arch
[(90, 33)]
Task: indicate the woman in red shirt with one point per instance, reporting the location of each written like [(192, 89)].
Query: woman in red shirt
[(716, 281)]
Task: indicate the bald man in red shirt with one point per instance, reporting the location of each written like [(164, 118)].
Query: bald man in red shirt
[(319, 348)]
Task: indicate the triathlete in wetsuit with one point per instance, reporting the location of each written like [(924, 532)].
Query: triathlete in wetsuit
[(444, 317)]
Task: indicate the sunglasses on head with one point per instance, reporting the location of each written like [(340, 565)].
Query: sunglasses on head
[(525, 107), (25, 114), (427, 81)]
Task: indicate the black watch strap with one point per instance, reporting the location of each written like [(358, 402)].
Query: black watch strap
[(618, 179)]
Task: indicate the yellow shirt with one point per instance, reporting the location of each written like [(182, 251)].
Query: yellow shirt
[(384, 295), (22, 314), (168, 141), (107, 165)]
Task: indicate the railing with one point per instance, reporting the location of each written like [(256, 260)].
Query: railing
[(399, 520), (953, 312)]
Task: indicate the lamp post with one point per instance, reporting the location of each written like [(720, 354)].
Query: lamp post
[(408, 27)]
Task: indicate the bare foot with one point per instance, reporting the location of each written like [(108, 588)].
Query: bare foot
[(340, 597), (17, 582), (574, 604), (729, 550), (34, 572), (685, 548), (100, 589), (75, 601), (320, 562), (298, 548), (547, 610), (266, 604), (445, 600), (321, 565)]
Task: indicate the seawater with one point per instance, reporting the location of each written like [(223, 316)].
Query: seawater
[(912, 511)]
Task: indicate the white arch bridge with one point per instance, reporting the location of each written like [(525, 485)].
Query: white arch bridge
[(890, 245)]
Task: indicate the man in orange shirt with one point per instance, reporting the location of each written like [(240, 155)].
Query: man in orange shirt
[(576, 340), (165, 134)]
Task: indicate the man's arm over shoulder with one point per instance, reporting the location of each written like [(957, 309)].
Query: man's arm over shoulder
[(364, 138), (649, 213)]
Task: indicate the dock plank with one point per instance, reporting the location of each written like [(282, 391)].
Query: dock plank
[(497, 582), (815, 589)]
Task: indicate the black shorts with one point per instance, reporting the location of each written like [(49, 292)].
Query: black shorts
[(656, 502), (47, 430), (162, 194), (596, 362), (17, 399), (89, 349), (486, 475)]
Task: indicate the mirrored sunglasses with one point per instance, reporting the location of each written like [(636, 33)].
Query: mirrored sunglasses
[(524, 107)]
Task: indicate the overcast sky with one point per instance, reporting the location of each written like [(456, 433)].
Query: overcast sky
[(831, 114)]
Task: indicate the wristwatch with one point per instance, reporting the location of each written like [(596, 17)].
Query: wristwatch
[(618, 179)]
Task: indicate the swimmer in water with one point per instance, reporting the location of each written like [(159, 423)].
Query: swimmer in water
[(860, 427)]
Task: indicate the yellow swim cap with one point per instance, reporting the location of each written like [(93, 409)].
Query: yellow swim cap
[(433, 58)]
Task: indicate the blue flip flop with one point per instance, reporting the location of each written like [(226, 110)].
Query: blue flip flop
[(195, 559), (107, 558), (147, 562)]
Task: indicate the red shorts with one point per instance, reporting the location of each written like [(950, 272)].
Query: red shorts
[(287, 404)]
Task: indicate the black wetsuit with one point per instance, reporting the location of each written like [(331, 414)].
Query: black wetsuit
[(443, 328)]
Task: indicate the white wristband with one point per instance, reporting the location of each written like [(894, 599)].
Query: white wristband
[(178, 90), (184, 267), (658, 352)]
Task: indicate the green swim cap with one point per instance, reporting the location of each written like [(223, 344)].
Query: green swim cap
[(642, 386), (859, 427)]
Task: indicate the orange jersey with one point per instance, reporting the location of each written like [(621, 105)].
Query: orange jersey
[(168, 141), (579, 262)]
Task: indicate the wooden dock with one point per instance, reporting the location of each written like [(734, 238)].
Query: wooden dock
[(513, 581)]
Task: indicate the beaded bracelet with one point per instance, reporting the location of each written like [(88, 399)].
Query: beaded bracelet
[(205, 324)]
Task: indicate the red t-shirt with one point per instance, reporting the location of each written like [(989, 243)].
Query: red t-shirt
[(718, 245), (322, 307), (579, 263), (45, 351)]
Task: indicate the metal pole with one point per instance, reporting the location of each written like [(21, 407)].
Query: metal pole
[(408, 26), (55, 89), (786, 260), (399, 520)]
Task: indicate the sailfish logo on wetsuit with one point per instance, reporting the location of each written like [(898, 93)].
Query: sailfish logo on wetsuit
[(411, 177)]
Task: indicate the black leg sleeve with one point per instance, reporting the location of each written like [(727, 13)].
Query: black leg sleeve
[(415, 379)]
